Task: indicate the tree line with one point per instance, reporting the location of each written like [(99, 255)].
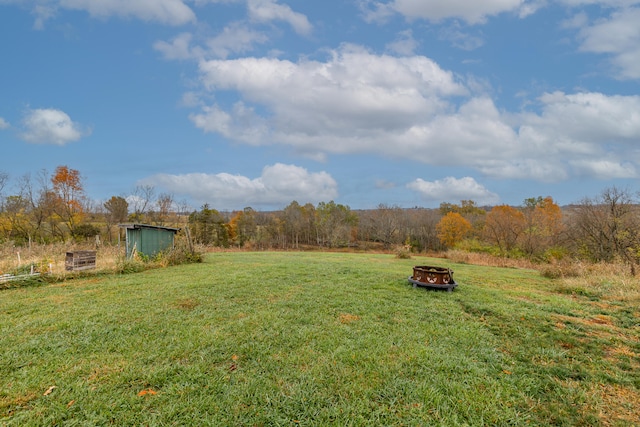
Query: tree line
[(54, 207)]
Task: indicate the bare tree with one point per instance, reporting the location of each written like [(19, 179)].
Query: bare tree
[(164, 207), (607, 227), (385, 224), (422, 225), (141, 200), (39, 206), (4, 179)]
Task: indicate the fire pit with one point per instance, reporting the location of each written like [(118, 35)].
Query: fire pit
[(433, 277)]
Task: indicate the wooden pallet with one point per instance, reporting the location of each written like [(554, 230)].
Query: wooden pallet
[(80, 260)]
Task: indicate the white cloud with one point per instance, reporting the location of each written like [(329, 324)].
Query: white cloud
[(587, 134), (171, 12), (50, 126), (43, 13), (353, 93), (602, 3), (242, 124), (404, 44), (278, 185), (410, 108), (4, 124), (178, 49), (530, 7), (235, 38), (604, 169), (473, 12), (451, 189), (461, 39), (270, 10), (384, 184), (589, 117), (619, 37), (577, 21)]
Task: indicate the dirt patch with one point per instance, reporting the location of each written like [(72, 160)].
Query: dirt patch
[(601, 319), (622, 350), (593, 321), (619, 405), (9, 405), (187, 304), (623, 353), (598, 326), (346, 318), (603, 305)]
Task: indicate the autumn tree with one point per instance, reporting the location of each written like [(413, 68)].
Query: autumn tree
[(543, 225), (469, 210), (38, 204), (503, 226), (452, 229), (117, 209), (68, 188), (309, 230), (292, 220), (334, 223), (15, 223), (242, 226), (25, 216), (466, 208), (209, 227)]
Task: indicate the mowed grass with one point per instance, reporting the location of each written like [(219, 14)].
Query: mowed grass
[(275, 338)]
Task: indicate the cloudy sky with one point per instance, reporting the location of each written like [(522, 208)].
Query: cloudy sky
[(258, 103)]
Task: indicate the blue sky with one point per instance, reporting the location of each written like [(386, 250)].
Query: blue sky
[(258, 103)]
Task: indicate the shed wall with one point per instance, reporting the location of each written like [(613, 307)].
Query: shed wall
[(148, 241)]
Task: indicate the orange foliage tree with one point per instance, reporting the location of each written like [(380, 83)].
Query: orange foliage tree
[(544, 224), (503, 227), (69, 192), (452, 229), (242, 226)]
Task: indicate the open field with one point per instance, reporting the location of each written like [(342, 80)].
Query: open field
[(286, 338)]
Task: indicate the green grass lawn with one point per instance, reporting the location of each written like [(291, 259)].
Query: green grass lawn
[(275, 338)]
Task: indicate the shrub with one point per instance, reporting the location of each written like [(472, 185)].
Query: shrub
[(181, 255), (558, 270), (403, 252), (127, 266)]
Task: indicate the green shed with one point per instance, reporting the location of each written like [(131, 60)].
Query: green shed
[(148, 239)]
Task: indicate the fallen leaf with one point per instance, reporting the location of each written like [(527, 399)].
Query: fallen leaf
[(49, 390), (233, 367), (70, 403), (506, 372), (234, 357), (148, 391)]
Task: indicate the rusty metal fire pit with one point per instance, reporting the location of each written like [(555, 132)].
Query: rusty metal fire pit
[(433, 277)]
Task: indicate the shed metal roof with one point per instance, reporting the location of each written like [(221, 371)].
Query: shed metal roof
[(135, 226)]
